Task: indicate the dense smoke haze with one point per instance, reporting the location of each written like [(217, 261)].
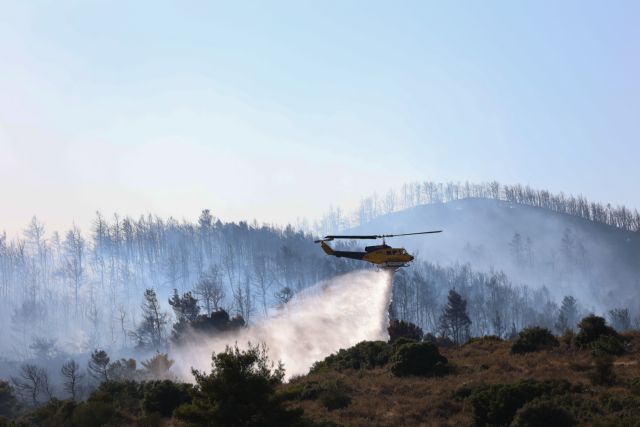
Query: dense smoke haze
[(519, 257), (334, 314)]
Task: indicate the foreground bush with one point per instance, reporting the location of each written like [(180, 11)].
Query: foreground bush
[(8, 401), (364, 355), (534, 339), (594, 332), (163, 397), (239, 391), (542, 413), (420, 359), (401, 329), (124, 396), (497, 404), (335, 395)]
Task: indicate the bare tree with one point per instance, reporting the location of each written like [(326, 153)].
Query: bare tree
[(32, 382), (620, 319), (74, 245), (209, 289), (72, 376), (261, 277), (284, 295)]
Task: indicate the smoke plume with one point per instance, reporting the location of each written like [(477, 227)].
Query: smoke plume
[(319, 321)]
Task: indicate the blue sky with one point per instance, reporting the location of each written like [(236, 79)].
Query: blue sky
[(276, 110)]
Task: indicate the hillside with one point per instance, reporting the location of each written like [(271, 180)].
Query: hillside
[(590, 378), (379, 398), (598, 263)]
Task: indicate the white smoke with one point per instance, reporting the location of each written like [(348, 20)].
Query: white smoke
[(329, 316)]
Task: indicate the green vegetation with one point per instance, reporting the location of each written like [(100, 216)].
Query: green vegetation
[(497, 404), (335, 395), (595, 332), (420, 359), (364, 355), (395, 383), (401, 329), (8, 401), (485, 339), (543, 413), (162, 397), (240, 390), (534, 339)]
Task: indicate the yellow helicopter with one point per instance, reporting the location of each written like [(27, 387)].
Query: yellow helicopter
[(383, 256)]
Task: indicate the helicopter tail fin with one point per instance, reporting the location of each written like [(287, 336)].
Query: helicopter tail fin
[(326, 248)]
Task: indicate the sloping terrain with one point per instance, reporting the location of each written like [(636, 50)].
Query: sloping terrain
[(597, 263), (378, 398)]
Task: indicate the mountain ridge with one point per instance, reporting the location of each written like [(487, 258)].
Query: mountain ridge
[(561, 251)]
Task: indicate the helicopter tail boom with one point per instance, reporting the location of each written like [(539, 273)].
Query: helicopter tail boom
[(326, 248)]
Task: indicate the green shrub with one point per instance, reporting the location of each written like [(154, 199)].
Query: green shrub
[(607, 345), (444, 342), (302, 391), (8, 401), (462, 392), (484, 339), (543, 413), (90, 414), (364, 355), (592, 328), (335, 395), (401, 341), (534, 339), (420, 359), (149, 420), (239, 391), (496, 404), (54, 413), (164, 396), (401, 329), (121, 395)]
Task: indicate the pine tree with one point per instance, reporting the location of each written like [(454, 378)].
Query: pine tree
[(158, 367), (150, 332), (568, 315), (186, 310), (98, 365), (454, 321)]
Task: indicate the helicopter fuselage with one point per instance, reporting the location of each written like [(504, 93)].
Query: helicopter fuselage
[(384, 256)]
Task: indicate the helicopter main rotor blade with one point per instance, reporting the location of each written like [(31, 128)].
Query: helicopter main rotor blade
[(375, 236), (410, 234), (351, 237)]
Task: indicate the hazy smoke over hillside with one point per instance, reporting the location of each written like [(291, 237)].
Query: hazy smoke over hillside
[(331, 315)]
